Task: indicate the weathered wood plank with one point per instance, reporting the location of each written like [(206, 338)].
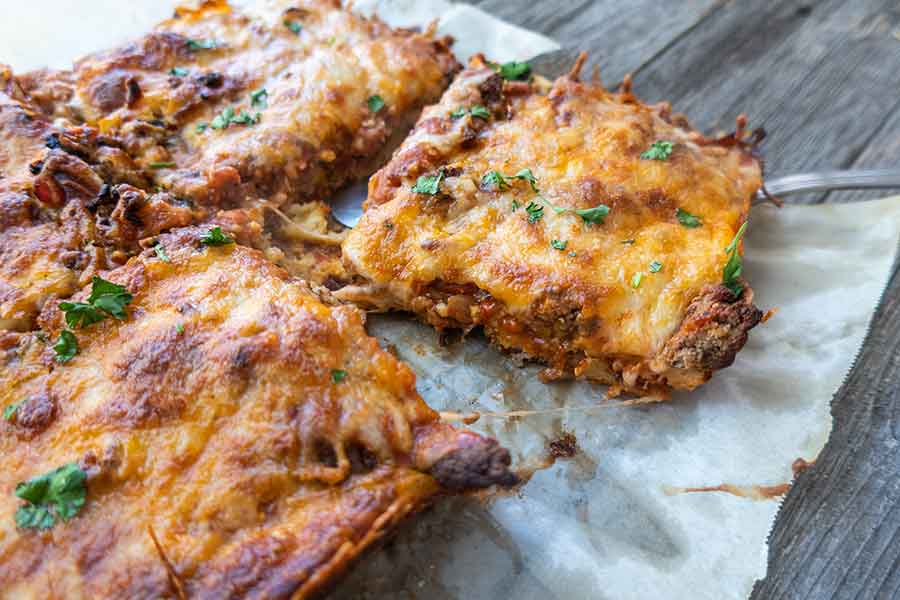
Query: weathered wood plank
[(619, 36), (838, 532), (816, 76)]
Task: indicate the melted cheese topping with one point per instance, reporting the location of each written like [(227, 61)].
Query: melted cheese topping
[(583, 145), (213, 415)]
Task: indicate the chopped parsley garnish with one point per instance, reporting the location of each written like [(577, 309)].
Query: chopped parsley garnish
[(494, 180), (733, 267), (178, 72), (106, 299), (527, 175), (162, 165), (687, 219), (572, 254), (655, 266), (535, 212), (338, 375), (593, 215), (179, 328), (215, 237), (513, 71), (259, 98), (10, 411), (658, 150), (559, 244), (629, 241), (429, 184), (201, 127), (477, 111), (59, 494), (66, 347), (207, 44), (293, 26), (515, 205), (161, 252), (228, 117), (636, 279), (376, 103)]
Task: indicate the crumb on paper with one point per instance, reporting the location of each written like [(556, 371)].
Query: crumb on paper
[(564, 446)]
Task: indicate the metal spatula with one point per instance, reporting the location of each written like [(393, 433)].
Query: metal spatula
[(347, 206)]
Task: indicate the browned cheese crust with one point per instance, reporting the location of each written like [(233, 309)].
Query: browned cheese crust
[(580, 296), (133, 142), (212, 419)]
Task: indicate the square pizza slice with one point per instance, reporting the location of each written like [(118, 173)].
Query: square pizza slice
[(198, 424), (581, 227)]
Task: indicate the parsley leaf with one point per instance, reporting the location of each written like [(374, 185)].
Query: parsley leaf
[(535, 212), (106, 299), (259, 98), (338, 375), (658, 150), (594, 215), (201, 127), (10, 411), (376, 103), (656, 266), (161, 252), (222, 120), (66, 347), (246, 118), (215, 237), (293, 26), (429, 184), (733, 266), (162, 165), (687, 219), (494, 180), (636, 279), (207, 44), (515, 206), (59, 494), (477, 111), (515, 71), (559, 244), (228, 117), (178, 72), (179, 328), (527, 175)]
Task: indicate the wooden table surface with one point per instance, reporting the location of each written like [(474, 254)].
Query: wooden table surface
[(823, 78)]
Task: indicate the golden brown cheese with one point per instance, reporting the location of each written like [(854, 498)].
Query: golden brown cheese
[(561, 289), (301, 72), (240, 416)]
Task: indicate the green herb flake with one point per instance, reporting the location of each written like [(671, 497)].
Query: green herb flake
[(658, 150), (161, 252), (215, 237), (594, 215), (179, 328), (429, 184), (656, 266), (259, 98), (527, 175), (338, 375), (733, 266), (636, 279), (559, 244), (59, 494), (294, 26), (535, 212), (572, 254), (515, 205), (494, 180), (10, 411), (201, 127), (375, 102), (687, 219), (66, 347), (478, 111), (178, 72), (207, 44), (162, 165), (629, 241), (106, 299), (515, 71)]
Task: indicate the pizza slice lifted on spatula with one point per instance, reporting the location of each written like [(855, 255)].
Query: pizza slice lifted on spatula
[(580, 227), (198, 424)]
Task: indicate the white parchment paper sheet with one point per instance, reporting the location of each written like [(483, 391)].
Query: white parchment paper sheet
[(604, 524)]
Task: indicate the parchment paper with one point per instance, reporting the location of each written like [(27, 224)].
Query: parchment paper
[(610, 522)]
